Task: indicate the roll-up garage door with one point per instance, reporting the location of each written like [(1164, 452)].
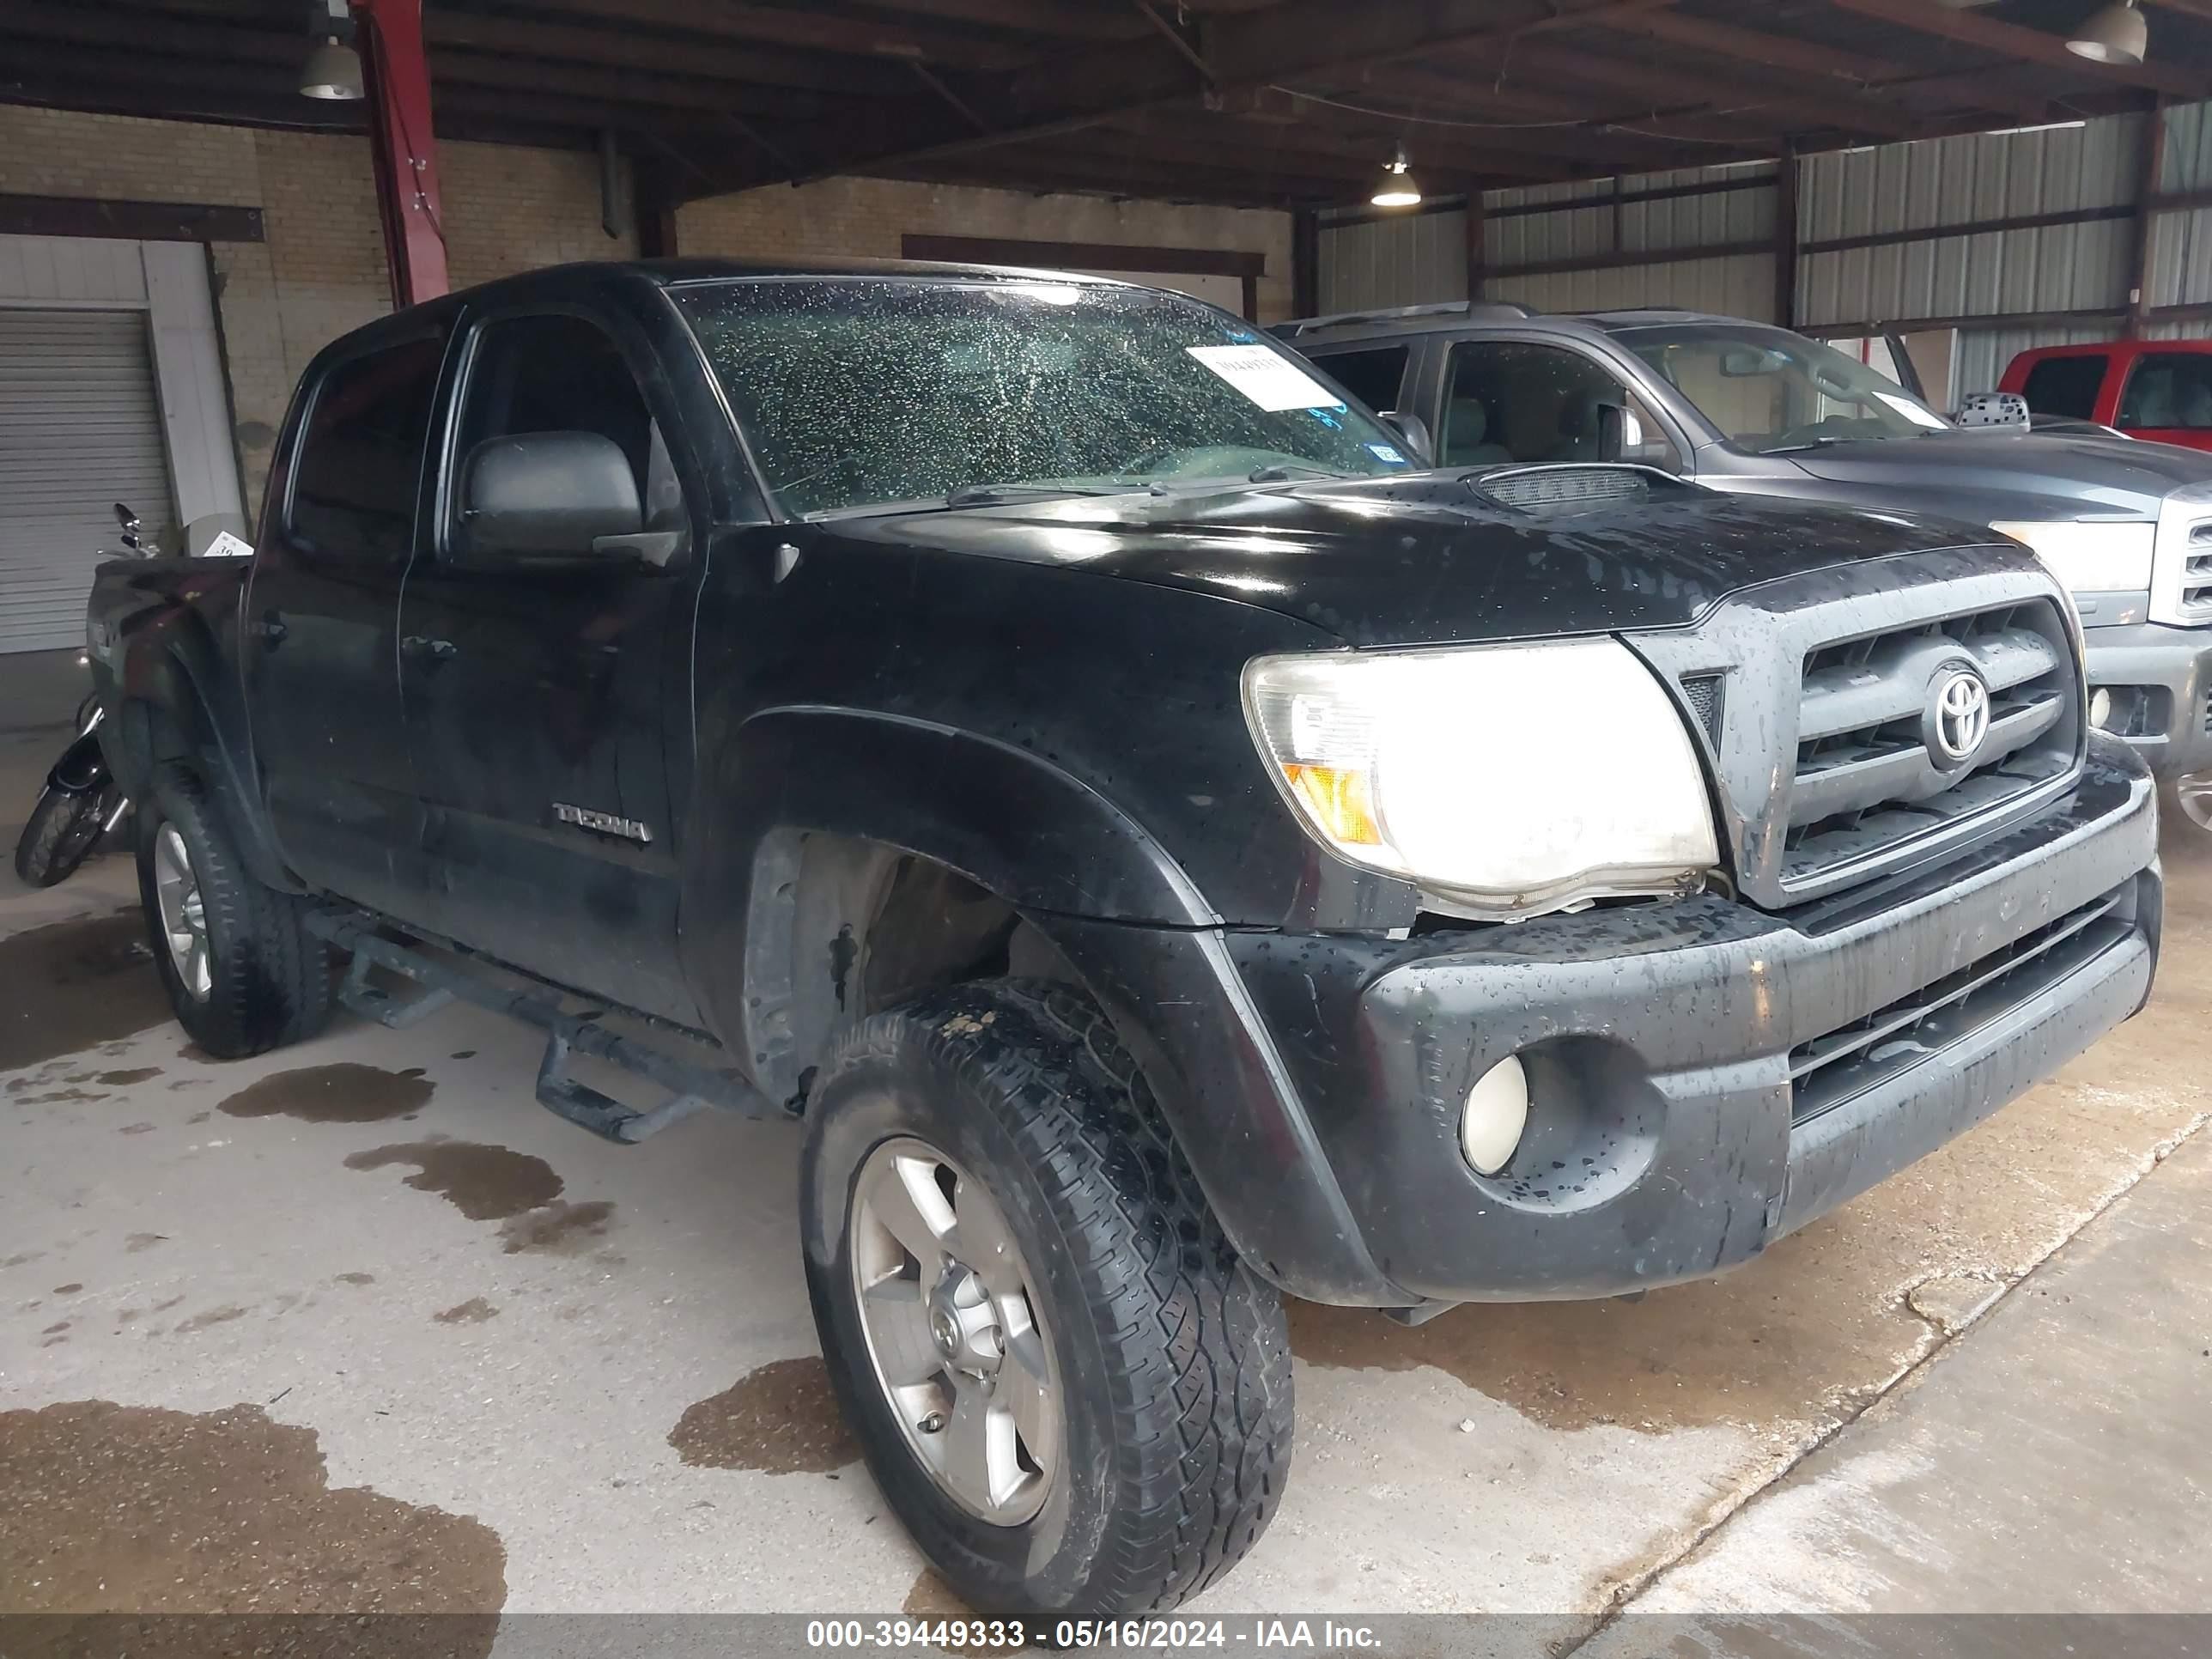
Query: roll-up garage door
[(79, 430)]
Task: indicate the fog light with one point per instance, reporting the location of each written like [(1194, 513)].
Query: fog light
[(2100, 709), (1497, 1112)]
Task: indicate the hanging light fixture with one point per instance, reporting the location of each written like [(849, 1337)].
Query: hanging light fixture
[(1397, 188), (2112, 34), (333, 67)]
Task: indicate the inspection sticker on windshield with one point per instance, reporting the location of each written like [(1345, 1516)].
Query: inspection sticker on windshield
[(227, 546), (1268, 381), (1912, 411), (1387, 454)]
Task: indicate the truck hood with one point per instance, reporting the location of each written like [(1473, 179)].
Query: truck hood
[(1991, 477), (1425, 559)]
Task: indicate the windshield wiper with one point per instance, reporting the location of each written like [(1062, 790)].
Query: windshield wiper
[(1284, 471), (998, 495)]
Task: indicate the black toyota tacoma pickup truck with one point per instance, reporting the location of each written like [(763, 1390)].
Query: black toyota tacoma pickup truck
[(1170, 850)]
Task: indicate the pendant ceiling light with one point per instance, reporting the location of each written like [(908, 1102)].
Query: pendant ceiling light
[(1397, 188), (332, 70), (2112, 34)]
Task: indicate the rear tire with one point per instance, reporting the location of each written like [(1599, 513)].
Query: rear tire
[(1167, 1434), (243, 973), (58, 835)]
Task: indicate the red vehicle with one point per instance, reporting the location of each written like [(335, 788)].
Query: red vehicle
[(2160, 390)]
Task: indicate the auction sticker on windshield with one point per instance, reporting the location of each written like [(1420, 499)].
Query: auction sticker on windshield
[(1268, 381), (1913, 412)]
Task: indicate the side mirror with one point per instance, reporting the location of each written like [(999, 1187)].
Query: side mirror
[(1415, 431), (1987, 409), (556, 494)]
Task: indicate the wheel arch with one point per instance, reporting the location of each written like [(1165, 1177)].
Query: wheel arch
[(802, 821), (177, 701)]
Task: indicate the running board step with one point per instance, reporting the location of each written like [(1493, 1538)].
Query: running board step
[(690, 1088)]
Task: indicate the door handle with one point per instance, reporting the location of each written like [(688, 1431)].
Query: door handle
[(418, 645), (272, 627)]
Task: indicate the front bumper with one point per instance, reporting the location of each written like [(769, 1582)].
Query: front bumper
[(1316, 1082), (2176, 661)]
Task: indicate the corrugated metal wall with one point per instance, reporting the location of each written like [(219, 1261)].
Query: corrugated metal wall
[(1394, 262), (1954, 181), (1739, 285), (1889, 191), (2181, 253), (1589, 224)]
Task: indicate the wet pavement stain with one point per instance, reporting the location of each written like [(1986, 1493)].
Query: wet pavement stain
[(136, 1129), (485, 1183), (124, 1080), (474, 1311), (137, 1242), (344, 1092), (357, 1279), (932, 1600), (75, 985), (200, 1321), (133, 1509), (779, 1419), (69, 1289), (560, 1229), (21, 1258)]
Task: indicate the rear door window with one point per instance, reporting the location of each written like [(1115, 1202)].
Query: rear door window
[(2169, 391), (360, 461), (1375, 377), (2066, 385)]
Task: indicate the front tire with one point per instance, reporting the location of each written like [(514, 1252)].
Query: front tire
[(60, 832), (243, 973), (1126, 1377)]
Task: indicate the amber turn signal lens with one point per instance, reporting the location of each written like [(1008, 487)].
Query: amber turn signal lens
[(1341, 801)]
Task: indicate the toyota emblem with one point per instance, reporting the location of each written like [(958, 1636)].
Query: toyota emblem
[(1958, 717)]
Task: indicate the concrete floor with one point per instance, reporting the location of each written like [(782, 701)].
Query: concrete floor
[(358, 1325)]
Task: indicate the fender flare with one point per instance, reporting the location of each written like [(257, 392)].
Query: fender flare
[(1007, 820), (174, 673)]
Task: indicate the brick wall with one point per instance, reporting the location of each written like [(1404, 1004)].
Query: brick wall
[(319, 270), (869, 218)]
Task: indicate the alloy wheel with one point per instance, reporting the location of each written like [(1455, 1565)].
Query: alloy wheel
[(954, 1331), (183, 914)]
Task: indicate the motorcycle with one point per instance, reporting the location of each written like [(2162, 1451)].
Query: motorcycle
[(82, 804)]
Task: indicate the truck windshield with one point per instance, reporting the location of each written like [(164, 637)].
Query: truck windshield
[(1770, 390), (856, 392)]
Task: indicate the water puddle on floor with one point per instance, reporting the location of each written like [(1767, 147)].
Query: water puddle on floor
[(344, 1092), (75, 985), (128, 1509), (557, 1229), (780, 1419), (484, 1183)]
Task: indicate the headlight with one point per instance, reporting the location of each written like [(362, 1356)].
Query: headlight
[(1504, 779), (2091, 558)]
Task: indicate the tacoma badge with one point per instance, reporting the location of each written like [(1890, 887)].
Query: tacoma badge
[(605, 823)]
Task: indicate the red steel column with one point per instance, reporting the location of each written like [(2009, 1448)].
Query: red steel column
[(398, 78)]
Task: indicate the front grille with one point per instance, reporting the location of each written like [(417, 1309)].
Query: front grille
[(1840, 1064), (1866, 782), (2197, 568)]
